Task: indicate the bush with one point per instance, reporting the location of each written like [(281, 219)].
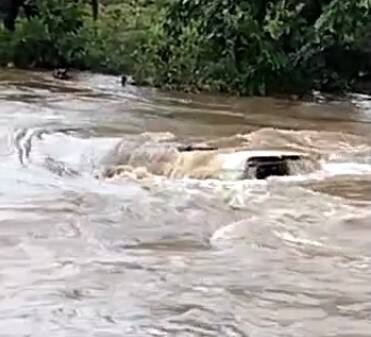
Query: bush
[(64, 34), (259, 47), (50, 39), (237, 46)]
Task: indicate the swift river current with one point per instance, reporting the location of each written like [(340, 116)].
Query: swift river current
[(81, 256)]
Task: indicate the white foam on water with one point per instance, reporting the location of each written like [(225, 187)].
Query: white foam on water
[(289, 237), (76, 152), (345, 168)]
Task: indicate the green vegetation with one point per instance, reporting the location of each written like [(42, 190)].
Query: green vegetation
[(242, 47)]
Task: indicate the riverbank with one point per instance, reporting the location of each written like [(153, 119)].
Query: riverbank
[(362, 88), (244, 51)]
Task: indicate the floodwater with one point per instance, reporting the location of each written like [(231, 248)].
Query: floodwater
[(81, 256)]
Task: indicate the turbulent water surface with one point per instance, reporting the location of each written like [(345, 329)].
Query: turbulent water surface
[(81, 256)]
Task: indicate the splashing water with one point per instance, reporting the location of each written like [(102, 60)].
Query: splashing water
[(143, 254)]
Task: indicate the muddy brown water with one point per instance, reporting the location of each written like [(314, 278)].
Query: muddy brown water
[(289, 256)]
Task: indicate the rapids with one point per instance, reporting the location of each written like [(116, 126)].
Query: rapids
[(143, 254)]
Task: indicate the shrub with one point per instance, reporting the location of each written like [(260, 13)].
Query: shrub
[(237, 46), (64, 34), (258, 47)]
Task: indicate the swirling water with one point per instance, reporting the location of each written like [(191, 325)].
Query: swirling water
[(80, 256)]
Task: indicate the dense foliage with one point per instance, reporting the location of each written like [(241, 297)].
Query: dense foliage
[(237, 46), (261, 46)]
